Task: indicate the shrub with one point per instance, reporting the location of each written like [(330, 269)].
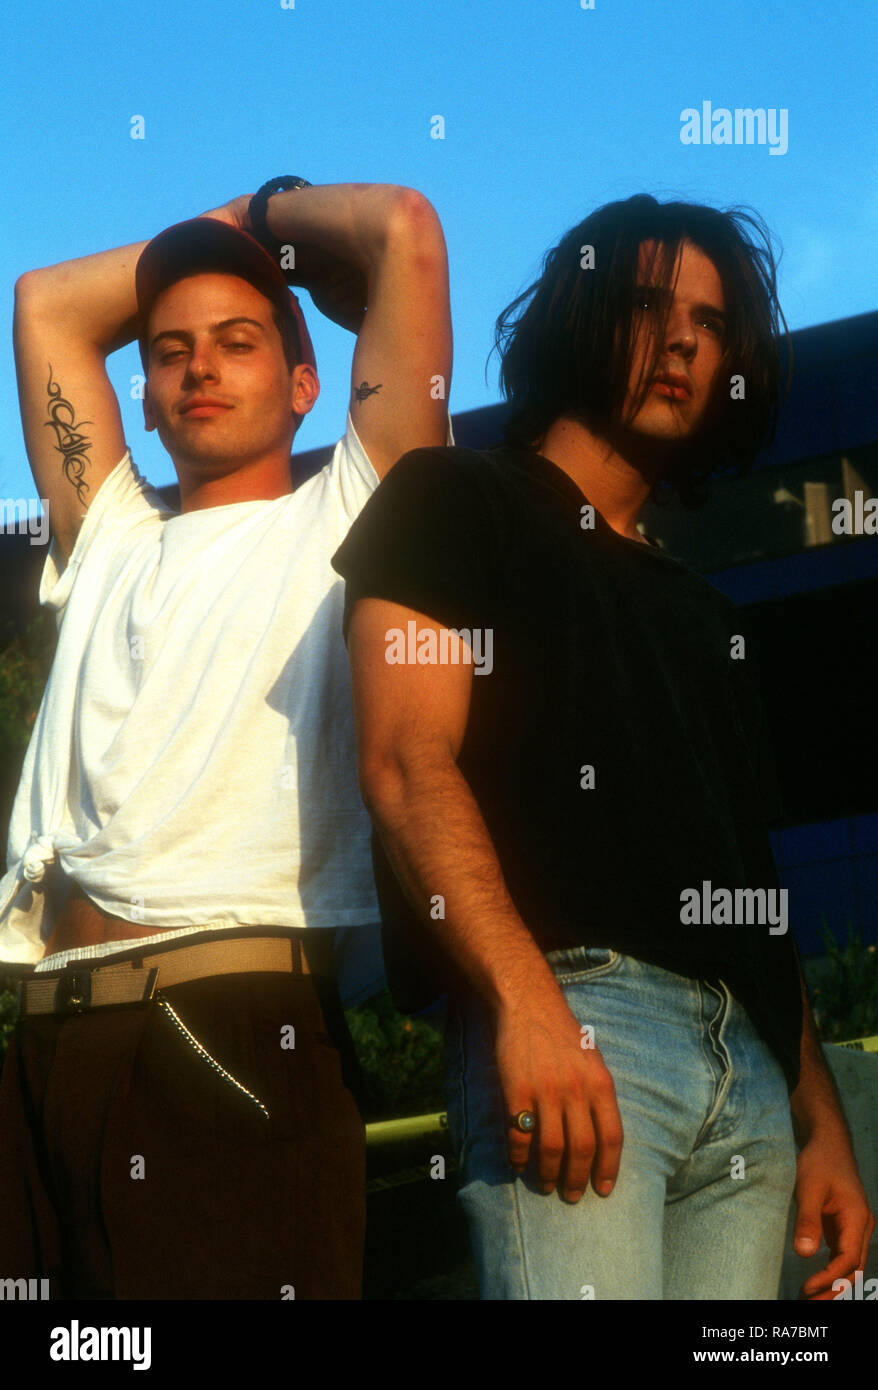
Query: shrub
[(401, 1060), (843, 986)]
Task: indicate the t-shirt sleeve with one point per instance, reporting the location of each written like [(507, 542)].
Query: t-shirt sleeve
[(123, 499), (351, 472), (423, 540)]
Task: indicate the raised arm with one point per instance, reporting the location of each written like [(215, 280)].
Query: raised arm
[(68, 319), (379, 247), (373, 247), (411, 721)]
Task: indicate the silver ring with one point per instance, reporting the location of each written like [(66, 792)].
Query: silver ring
[(525, 1121)]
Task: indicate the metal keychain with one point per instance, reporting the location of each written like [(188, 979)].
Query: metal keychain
[(204, 1054)]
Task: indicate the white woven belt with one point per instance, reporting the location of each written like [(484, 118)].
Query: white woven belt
[(78, 987)]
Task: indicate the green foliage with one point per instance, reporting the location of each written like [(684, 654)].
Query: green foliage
[(25, 661), (401, 1060), (843, 987), (24, 668)]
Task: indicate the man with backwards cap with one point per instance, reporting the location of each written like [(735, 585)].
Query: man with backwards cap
[(174, 1115)]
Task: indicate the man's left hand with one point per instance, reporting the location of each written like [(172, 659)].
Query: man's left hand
[(830, 1202), (236, 212), (337, 287)]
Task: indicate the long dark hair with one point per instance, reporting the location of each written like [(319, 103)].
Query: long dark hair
[(565, 342)]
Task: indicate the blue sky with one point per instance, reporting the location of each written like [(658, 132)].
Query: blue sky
[(549, 110)]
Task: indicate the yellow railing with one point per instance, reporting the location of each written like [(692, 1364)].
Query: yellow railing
[(860, 1044)]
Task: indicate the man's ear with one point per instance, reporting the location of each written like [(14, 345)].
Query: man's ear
[(148, 417), (304, 389)]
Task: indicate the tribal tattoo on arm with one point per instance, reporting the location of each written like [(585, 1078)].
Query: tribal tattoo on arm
[(72, 444)]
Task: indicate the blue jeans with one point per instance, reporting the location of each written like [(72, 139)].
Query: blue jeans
[(708, 1165)]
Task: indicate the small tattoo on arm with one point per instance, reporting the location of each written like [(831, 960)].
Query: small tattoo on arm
[(364, 390), (72, 445)]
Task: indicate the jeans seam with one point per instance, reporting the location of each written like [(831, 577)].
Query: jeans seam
[(519, 1237), (719, 1053), (589, 972)]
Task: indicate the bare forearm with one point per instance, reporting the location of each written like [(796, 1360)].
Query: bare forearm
[(92, 298), (352, 221), (815, 1102), (439, 847)]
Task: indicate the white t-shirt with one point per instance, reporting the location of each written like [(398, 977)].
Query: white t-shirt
[(193, 758)]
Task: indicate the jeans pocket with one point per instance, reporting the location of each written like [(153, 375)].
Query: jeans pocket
[(579, 963)]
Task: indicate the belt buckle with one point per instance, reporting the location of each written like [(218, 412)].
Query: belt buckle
[(73, 994)]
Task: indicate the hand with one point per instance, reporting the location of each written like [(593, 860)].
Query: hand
[(831, 1202), (544, 1068), (236, 213), (337, 288)]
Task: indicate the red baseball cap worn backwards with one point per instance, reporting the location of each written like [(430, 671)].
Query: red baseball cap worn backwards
[(203, 244)]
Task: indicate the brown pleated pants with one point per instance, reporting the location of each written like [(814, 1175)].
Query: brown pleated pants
[(130, 1169)]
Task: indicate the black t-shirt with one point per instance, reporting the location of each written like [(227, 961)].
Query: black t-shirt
[(607, 654)]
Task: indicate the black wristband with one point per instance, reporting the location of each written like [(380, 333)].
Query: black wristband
[(258, 211)]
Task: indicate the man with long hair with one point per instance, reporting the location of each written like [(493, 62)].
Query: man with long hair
[(564, 752)]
